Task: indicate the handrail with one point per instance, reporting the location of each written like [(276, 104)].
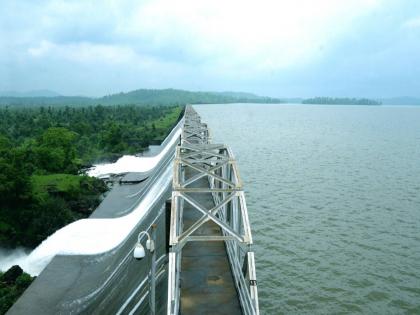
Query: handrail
[(217, 163), (161, 266)]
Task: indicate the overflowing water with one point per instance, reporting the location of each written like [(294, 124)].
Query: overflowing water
[(94, 236), (131, 163), (89, 236), (334, 203)]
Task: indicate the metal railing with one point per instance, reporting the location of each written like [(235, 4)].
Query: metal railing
[(216, 163)]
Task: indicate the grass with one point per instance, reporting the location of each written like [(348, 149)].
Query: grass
[(60, 183)]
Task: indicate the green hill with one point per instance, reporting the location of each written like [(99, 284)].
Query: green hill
[(141, 97)]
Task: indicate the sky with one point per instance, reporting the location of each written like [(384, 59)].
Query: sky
[(295, 48)]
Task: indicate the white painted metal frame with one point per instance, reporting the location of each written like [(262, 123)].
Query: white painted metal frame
[(217, 163)]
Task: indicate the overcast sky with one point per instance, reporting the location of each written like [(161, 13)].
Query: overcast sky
[(368, 48)]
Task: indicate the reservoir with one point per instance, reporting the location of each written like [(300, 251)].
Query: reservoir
[(333, 196)]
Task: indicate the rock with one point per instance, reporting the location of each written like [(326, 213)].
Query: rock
[(11, 275)]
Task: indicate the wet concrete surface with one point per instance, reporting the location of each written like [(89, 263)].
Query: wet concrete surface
[(124, 197), (95, 284)]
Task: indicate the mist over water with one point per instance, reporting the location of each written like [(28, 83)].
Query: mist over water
[(334, 202), (11, 257)]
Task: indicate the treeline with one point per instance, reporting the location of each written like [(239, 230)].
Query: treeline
[(171, 96), (340, 101), (144, 97), (91, 133), (42, 151)]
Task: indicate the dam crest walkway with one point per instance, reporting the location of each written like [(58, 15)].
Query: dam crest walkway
[(211, 262)]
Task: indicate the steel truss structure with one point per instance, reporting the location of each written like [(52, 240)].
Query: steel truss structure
[(197, 156)]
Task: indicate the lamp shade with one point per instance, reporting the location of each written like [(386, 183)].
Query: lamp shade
[(139, 251)]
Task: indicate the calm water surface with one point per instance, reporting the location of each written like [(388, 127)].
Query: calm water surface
[(334, 200)]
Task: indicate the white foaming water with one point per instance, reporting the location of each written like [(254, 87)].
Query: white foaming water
[(130, 163), (11, 257), (92, 236)]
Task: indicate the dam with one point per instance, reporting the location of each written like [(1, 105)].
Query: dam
[(192, 207)]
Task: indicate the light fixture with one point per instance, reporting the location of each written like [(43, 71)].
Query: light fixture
[(139, 252)]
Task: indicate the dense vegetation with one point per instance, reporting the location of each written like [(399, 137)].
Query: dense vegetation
[(141, 97), (340, 101), (12, 284), (42, 151)]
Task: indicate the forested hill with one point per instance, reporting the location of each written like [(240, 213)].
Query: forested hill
[(141, 97), (340, 101), (180, 97)]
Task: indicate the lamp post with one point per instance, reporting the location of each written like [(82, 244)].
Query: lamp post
[(140, 253)]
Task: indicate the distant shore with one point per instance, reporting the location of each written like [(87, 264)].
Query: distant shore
[(340, 101)]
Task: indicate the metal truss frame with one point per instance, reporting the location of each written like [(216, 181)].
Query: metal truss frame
[(215, 162)]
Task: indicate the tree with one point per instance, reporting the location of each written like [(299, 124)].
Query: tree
[(57, 151)]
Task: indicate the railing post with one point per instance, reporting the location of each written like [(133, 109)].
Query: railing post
[(153, 275)]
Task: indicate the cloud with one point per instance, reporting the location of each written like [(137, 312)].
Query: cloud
[(252, 45), (412, 23), (84, 52), (260, 35)]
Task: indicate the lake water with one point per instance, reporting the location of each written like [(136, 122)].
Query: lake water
[(334, 202)]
